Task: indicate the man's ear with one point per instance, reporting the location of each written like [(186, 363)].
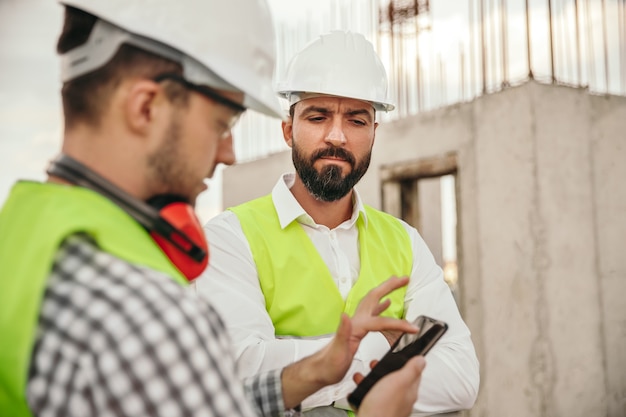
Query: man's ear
[(142, 105), (287, 127), (374, 138)]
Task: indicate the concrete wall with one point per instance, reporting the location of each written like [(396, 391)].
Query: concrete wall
[(243, 182), (542, 238)]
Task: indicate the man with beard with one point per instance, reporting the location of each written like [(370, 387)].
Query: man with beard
[(285, 265), (95, 319)]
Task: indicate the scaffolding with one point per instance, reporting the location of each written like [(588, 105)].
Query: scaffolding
[(490, 45)]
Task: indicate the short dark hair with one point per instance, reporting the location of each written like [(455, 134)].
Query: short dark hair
[(86, 97)]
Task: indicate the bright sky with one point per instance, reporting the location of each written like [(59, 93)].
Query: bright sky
[(30, 128)]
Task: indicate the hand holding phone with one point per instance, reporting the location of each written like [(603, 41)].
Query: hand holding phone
[(406, 347)]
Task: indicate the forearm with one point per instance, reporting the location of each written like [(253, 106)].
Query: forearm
[(300, 380), (450, 381), (262, 354), (335, 394)]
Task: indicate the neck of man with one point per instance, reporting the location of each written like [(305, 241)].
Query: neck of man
[(328, 213), (110, 155)]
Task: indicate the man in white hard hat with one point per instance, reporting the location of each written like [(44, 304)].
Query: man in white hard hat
[(312, 249), (94, 316)]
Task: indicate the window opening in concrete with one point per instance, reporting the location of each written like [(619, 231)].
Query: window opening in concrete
[(424, 194)]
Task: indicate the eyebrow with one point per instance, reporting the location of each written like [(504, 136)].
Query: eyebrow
[(358, 112), (326, 111)]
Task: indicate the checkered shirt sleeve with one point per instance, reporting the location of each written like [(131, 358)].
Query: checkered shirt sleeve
[(265, 390), (115, 339)]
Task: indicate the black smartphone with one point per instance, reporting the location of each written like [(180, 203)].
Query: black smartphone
[(407, 346)]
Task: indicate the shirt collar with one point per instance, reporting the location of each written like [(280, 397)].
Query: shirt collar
[(288, 208)]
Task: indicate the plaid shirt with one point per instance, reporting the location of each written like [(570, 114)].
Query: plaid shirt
[(116, 339)]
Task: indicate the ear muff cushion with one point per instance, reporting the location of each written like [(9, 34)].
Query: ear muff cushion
[(182, 216)]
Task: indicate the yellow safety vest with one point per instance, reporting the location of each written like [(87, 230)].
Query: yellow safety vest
[(300, 294), (34, 221)]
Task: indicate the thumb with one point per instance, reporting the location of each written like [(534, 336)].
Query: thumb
[(413, 369), (418, 363)]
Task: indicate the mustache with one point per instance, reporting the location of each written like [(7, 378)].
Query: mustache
[(334, 153)]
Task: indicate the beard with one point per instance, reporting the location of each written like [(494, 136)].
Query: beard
[(329, 184), (168, 169)]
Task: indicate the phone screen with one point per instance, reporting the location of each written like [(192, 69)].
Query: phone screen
[(407, 346), (424, 324)]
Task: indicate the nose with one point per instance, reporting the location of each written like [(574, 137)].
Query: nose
[(225, 151), (335, 136)]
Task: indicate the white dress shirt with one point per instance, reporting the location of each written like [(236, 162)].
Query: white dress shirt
[(451, 378)]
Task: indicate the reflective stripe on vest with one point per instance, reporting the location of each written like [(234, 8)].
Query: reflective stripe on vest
[(34, 221), (300, 295)]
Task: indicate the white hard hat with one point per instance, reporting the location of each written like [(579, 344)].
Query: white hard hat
[(340, 63), (225, 44)]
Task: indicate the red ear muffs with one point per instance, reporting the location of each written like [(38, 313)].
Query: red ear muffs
[(182, 216), (172, 223)]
